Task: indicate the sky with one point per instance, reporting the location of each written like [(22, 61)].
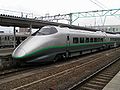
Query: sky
[(55, 7), (41, 7)]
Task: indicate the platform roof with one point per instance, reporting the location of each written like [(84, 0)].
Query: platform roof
[(6, 20)]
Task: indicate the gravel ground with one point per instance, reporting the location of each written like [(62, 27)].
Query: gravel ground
[(60, 77)]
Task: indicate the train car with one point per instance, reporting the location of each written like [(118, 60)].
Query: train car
[(7, 39), (51, 43)]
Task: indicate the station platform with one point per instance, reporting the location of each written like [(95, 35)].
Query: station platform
[(5, 58), (114, 84), (6, 51)]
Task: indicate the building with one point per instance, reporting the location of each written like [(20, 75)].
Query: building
[(108, 28)]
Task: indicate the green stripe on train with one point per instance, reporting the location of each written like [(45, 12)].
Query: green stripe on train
[(64, 46)]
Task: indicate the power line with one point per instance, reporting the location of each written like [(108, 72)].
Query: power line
[(97, 4), (14, 11), (18, 13), (101, 4), (106, 8), (103, 7)]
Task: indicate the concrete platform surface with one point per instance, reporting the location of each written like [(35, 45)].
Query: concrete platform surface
[(114, 84)]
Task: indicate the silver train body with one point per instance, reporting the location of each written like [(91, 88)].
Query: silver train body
[(52, 42)]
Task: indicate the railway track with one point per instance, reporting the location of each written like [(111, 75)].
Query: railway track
[(61, 76), (99, 79), (14, 71), (17, 70), (22, 69)]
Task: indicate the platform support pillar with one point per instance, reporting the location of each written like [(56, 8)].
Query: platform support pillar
[(30, 29), (14, 37)]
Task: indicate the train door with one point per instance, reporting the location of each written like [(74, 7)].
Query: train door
[(67, 45), (68, 40), (0, 42)]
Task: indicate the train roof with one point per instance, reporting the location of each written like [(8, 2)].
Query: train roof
[(86, 33)]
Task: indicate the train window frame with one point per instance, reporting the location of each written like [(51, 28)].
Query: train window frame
[(45, 31), (101, 39), (68, 38), (91, 40), (82, 40), (87, 40), (8, 38), (95, 39), (5, 38), (75, 40)]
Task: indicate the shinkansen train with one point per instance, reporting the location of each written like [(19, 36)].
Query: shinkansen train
[(7, 39), (51, 43)]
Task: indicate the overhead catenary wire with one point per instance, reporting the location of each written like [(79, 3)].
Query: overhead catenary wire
[(97, 4), (101, 5)]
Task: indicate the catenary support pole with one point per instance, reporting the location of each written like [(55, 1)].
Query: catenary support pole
[(14, 37)]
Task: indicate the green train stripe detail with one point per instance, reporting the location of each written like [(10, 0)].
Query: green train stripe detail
[(66, 45)]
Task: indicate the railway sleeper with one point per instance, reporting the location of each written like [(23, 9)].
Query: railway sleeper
[(93, 86), (87, 88), (108, 75), (97, 82), (100, 77), (102, 80), (104, 77)]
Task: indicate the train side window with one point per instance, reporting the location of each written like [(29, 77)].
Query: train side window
[(87, 40), (68, 38), (101, 39), (91, 39), (95, 39), (113, 39), (116, 39), (81, 40), (110, 39), (8, 38), (75, 40), (5, 38), (45, 31)]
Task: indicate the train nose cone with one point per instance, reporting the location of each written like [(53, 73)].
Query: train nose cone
[(18, 53)]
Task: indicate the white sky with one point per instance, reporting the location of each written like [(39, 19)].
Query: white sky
[(53, 7), (41, 7)]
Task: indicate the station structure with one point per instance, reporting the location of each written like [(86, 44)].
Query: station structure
[(24, 21), (38, 22), (73, 17), (108, 28)]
